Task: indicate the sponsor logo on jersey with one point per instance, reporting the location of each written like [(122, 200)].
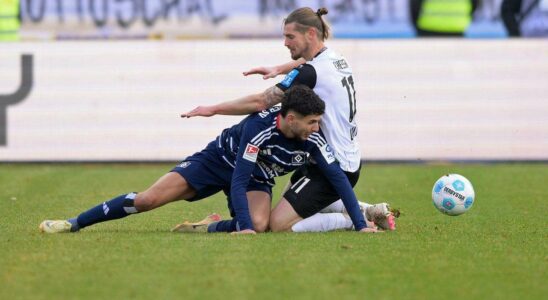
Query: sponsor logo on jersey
[(184, 164), (272, 170), (288, 80), (269, 172), (327, 153), (251, 152), (340, 64), (275, 108), (278, 169), (263, 114)]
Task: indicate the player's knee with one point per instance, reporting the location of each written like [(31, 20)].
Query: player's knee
[(146, 201), (260, 225), (276, 224)]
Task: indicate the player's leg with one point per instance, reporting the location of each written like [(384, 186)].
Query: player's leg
[(259, 203), (323, 222), (190, 180), (259, 197), (284, 213), (169, 187), (309, 193), (285, 218), (335, 207)]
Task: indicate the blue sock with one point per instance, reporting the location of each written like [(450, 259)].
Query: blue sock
[(223, 226), (116, 208), (75, 227)]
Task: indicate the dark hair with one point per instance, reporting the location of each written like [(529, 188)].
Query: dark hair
[(302, 100), (305, 18)]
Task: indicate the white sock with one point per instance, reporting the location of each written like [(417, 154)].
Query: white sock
[(335, 207), (365, 205), (322, 222), (338, 207)]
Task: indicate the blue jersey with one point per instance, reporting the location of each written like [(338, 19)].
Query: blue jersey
[(259, 143), (257, 150)]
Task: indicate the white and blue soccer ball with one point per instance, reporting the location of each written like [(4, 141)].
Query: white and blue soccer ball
[(453, 194)]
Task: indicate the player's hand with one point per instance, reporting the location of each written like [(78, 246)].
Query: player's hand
[(370, 230), (245, 231), (200, 111), (267, 72)]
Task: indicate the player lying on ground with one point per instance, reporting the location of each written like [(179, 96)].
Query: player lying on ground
[(242, 162)]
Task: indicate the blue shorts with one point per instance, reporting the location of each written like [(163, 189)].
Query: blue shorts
[(208, 173)]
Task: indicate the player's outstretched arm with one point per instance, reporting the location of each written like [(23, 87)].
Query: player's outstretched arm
[(271, 72), (241, 106)]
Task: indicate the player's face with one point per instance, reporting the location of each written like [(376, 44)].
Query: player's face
[(303, 127), (295, 41)]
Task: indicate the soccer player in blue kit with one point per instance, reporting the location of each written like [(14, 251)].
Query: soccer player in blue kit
[(242, 161)]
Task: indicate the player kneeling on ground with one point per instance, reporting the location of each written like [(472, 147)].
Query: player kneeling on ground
[(242, 161)]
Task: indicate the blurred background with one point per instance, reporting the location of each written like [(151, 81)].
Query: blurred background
[(180, 19), (106, 80)]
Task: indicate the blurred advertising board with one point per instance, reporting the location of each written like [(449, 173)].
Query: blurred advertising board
[(183, 19), (417, 100)]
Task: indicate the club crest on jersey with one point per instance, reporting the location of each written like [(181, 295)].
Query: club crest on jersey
[(297, 159), (251, 152), (289, 78), (327, 153)]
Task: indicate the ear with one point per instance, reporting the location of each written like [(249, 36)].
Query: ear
[(290, 117), (311, 32)]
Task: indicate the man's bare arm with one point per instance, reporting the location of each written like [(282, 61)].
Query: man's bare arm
[(271, 72), (241, 106), (272, 96)]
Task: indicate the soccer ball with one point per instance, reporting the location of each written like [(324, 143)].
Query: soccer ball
[(453, 194)]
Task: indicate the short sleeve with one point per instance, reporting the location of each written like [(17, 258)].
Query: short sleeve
[(303, 74)]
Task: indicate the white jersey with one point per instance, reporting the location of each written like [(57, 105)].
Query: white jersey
[(330, 76)]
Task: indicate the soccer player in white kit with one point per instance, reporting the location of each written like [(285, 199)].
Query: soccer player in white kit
[(330, 76)]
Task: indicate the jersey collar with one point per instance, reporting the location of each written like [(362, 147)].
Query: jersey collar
[(320, 52)]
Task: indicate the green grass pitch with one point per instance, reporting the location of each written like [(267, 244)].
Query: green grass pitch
[(497, 250)]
